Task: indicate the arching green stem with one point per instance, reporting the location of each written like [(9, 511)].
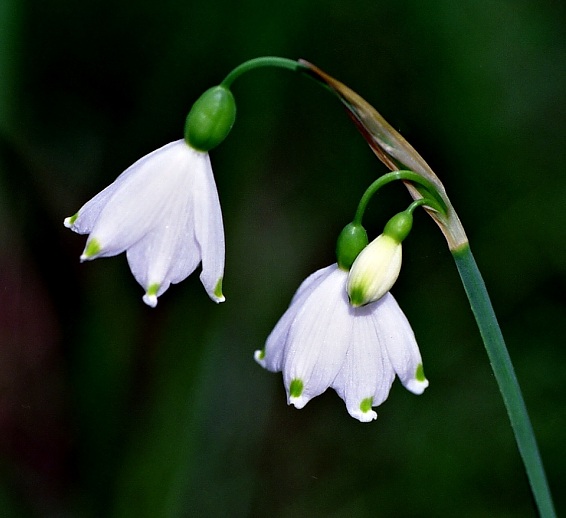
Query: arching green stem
[(266, 61), (433, 199), (419, 203)]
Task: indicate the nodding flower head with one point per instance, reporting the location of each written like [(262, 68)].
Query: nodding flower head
[(322, 341), (164, 212)]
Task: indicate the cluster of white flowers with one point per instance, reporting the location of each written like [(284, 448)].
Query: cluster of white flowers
[(343, 329)]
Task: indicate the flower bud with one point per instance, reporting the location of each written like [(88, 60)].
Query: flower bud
[(211, 118), (351, 241), (377, 267)]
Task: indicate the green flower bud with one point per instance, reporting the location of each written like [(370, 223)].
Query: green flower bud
[(399, 226), (211, 118), (351, 241)]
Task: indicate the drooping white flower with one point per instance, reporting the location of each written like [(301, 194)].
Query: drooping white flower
[(323, 341), (164, 212)]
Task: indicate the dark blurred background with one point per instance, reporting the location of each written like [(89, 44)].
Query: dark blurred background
[(110, 408)]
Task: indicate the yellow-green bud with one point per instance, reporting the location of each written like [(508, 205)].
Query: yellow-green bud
[(374, 271), (377, 267)]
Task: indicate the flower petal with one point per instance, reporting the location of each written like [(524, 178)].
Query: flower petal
[(311, 282), (141, 195), (367, 375), (396, 335), (84, 220), (209, 229), (318, 339), (164, 257), (271, 357)]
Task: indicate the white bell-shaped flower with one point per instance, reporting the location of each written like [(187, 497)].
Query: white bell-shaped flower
[(164, 212), (323, 341)]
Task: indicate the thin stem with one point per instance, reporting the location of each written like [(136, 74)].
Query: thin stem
[(266, 61), (505, 376), (419, 203), (408, 176)]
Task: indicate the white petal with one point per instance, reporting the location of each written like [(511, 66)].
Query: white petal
[(271, 357), (398, 338), (311, 282), (83, 222), (164, 257), (209, 229), (366, 377), (141, 196), (318, 338)]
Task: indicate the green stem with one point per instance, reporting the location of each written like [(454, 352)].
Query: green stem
[(266, 61), (419, 203), (505, 376), (408, 176)]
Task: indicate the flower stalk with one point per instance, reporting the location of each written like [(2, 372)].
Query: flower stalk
[(265, 61), (427, 189)]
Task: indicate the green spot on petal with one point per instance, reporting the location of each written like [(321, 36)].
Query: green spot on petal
[(150, 297), (92, 248), (296, 388), (357, 297), (218, 289), (261, 354), (72, 219), (152, 289), (419, 374), (365, 405)]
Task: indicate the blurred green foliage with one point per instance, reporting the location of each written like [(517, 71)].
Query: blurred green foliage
[(109, 408)]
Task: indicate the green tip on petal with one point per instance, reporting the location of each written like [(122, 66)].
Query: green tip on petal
[(259, 357), (357, 297), (296, 388), (71, 220), (419, 374), (153, 289), (218, 290), (365, 405), (150, 297), (92, 249)]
